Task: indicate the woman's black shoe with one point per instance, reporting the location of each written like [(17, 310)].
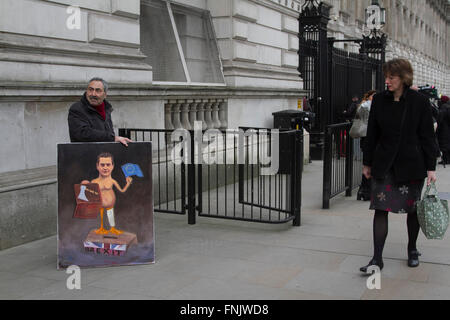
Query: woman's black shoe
[(372, 262), (413, 258)]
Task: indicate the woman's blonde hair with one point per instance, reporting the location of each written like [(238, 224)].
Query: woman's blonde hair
[(401, 68)]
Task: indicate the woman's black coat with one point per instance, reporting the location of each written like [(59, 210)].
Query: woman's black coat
[(411, 152)]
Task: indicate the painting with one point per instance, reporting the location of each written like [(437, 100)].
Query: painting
[(105, 204)]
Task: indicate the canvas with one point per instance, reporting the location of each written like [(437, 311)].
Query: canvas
[(105, 204)]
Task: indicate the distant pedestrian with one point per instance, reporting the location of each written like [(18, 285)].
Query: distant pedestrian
[(443, 132), (350, 112), (362, 113), (399, 153)]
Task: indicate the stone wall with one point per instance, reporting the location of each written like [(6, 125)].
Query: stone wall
[(258, 42)]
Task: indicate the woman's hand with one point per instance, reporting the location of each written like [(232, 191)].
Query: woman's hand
[(431, 177), (367, 172)]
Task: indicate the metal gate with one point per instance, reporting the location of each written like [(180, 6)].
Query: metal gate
[(225, 177), (331, 75), (350, 73)]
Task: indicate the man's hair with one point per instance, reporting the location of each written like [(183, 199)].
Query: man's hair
[(105, 84), (401, 68), (105, 155)]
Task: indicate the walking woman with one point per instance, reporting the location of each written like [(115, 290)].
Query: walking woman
[(399, 153)]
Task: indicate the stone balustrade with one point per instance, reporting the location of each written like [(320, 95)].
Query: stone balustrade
[(182, 113)]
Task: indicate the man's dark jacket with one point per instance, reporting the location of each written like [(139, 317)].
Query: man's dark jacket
[(87, 125), (411, 152)]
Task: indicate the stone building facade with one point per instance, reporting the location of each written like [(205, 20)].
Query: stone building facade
[(229, 63), (417, 30)]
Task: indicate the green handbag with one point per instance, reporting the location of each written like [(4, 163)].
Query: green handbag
[(433, 214)]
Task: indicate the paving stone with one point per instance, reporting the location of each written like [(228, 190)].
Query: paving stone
[(218, 259), (334, 284), (234, 290), (158, 284), (407, 290), (16, 287)]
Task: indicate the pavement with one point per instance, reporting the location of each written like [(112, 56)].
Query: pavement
[(228, 260)]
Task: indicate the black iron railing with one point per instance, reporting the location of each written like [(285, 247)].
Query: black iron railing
[(342, 166), (169, 191), (223, 177)]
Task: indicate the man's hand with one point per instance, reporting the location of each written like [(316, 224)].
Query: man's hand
[(129, 180), (122, 140), (367, 172), (431, 177)]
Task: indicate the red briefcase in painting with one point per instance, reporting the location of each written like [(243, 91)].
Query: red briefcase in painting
[(89, 201)]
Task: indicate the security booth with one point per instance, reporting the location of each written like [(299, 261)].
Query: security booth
[(290, 120)]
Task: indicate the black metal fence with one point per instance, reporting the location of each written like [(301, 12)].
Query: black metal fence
[(229, 174), (350, 73), (342, 168), (169, 194), (332, 75)]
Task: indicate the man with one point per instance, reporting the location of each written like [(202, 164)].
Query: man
[(350, 113), (105, 167), (90, 118)]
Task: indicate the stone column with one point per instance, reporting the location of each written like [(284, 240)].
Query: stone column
[(168, 116), (201, 113), (208, 114), (176, 115), (193, 111), (185, 114), (215, 115), (223, 115)]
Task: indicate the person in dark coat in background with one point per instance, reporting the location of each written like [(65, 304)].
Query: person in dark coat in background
[(363, 114), (443, 131), (399, 153), (350, 113), (90, 118)]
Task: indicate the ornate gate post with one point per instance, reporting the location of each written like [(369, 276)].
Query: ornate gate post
[(313, 67), (374, 46)]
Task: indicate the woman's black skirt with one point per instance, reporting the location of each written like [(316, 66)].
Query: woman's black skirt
[(391, 196)]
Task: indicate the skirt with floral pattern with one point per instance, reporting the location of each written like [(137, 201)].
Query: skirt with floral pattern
[(391, 196)]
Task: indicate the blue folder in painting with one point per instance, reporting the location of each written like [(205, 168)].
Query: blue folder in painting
[(131, 169)]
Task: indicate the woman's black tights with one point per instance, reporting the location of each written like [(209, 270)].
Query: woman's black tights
[(380, 232), (413, 230)]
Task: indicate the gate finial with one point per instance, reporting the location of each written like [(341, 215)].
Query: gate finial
[(310, 8)]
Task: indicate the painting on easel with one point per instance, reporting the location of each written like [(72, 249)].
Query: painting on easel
[(105, 205)]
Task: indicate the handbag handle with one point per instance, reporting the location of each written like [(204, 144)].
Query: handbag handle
[(429, 187)]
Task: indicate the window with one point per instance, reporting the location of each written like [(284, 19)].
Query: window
[(179, 43)]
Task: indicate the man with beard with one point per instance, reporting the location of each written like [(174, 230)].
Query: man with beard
[(90, 118)]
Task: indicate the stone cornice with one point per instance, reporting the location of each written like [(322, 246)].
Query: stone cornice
[(34, 44), (72, 60), (273, 4), (28, 91)]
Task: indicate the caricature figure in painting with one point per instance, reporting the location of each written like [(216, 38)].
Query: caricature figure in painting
[(105, 166)]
